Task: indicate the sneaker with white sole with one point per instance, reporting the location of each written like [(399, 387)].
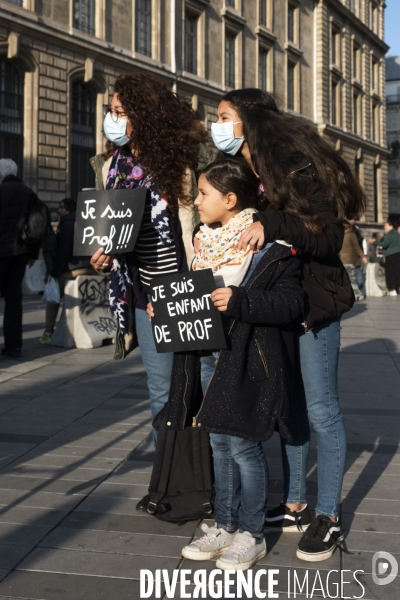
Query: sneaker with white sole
[(214, 542), (392, 293), (243, 553), (320, 540), (283, 520)]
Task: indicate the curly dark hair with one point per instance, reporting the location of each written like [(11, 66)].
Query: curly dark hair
[(277, 141), (165, 133)]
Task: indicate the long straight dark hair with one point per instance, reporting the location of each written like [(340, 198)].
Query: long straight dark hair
[(277, 142)]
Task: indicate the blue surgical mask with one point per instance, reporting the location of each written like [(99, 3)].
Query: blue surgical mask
[(115, 130), (223, 137)]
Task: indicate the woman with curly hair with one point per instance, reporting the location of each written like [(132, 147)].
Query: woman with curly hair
[(156, 141), (308, 193)]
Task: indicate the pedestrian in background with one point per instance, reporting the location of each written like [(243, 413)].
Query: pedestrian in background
[(64, 266), (390, 245), (15, 198), (352, 253)]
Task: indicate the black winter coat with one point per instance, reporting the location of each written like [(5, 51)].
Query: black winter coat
[(64, 258), (249, 395), (327, 287), (15, 197)]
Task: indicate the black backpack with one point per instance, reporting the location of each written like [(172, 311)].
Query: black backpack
[(181, 485), (37, 222)]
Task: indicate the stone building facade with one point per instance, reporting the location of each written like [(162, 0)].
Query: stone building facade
[(59, 60), (393, 133)]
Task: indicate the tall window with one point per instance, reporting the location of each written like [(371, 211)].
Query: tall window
[(83, 130), (335, 102), (230, 3), (356, 62), (374, 17), (262, 17), (356, 113), (191, 42), (375, 122), (335, 46), (375, 75), (143, 27), (290, 85), (11, 113), (230, 59), (263, 69), (84, 15), (291, 23)]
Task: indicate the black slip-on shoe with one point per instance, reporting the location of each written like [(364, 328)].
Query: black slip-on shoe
[(283, 520)]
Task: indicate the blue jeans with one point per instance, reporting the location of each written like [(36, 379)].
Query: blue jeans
[(241, 475), (319, 356), (360, 279), (158, 365)]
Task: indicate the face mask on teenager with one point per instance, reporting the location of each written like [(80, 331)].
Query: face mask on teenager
[(115, 130), (223, 137)]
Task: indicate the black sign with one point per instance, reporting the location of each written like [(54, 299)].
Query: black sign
[(108, 219), (185, 318)]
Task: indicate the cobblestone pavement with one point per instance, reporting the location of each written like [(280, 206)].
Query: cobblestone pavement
[(75, 456)]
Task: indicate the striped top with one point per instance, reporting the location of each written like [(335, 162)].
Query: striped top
[(154, 259)]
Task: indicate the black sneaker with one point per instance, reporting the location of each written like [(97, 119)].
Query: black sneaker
[(320, 540), (14, 353), (281, 519)]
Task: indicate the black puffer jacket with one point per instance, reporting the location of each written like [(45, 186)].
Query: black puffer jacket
[(327, 287), (255, 379), (15, 197)]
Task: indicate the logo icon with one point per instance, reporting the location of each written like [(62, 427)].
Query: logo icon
[(381, 561)]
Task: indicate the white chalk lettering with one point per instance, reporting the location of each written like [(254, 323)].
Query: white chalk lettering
[(171, 309), (200, 328), (162, 333), (105, 241), (112, 214), (90, 210)]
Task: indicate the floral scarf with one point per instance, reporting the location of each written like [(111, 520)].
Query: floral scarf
[(218, 247), (125, 173)]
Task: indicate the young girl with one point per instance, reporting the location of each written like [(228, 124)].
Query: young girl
[(247, 389)]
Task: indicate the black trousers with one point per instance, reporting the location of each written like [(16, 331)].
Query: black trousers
[(12, 270)]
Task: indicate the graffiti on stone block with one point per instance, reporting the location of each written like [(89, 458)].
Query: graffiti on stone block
[(93, 293), (104, 325)]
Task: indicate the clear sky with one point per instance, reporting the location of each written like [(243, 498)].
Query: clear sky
[(392, 26)]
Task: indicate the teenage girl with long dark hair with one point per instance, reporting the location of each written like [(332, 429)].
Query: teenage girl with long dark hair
[(309, 191)]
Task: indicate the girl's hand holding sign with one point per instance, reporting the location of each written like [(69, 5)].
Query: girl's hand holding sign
[(220, 298)]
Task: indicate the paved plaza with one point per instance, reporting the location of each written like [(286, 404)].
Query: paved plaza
[(76, 455)]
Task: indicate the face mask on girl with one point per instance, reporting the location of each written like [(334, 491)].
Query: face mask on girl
[(223, 137), (115, 130)]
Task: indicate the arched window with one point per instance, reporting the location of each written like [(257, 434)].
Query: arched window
[(83, 134), (11, 113)]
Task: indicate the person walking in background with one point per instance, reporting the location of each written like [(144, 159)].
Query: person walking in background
[(391, 250), (15, 197), (352, 253), (65, 265)]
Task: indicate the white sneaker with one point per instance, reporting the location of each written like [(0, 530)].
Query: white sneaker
[(214, 542), (392, 293), (243, 553)]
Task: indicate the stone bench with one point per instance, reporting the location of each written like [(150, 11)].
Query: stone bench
[(85, 321)]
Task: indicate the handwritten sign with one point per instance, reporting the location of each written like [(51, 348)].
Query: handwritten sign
[(109, 219), (185, 318)]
